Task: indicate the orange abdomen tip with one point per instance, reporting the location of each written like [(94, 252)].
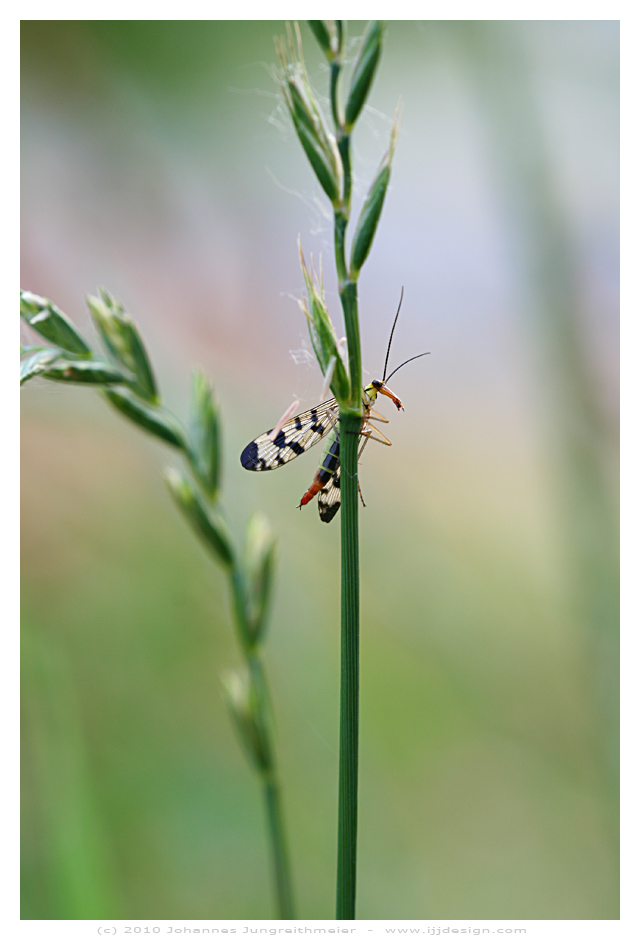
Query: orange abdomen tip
[(311, 492)]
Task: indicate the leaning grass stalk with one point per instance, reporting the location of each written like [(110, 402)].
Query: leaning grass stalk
[(280, 859), (250, 576), (281, 872)]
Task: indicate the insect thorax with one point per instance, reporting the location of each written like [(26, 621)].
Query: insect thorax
[(369, 395)]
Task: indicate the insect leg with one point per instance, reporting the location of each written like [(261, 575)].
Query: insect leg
[(371, 430), (376, 416)]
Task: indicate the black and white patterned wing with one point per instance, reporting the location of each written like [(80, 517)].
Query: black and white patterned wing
[(329, 498), (294, 437)]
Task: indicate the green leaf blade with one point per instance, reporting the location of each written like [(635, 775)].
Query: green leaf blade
[(204, 436), (50, 322), (259, 566), (208, 523), (123, 342), (368, 221), (321, 33), (322, 166), (155, 420), (364, 71), (85, 372)]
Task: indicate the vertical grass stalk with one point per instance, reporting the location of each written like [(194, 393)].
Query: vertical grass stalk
[(329, 153), (349, 670), (350, 424)]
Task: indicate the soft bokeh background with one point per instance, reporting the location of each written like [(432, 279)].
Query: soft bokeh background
[(157, 161)]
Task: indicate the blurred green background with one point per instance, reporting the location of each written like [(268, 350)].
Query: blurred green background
[(158, 162)]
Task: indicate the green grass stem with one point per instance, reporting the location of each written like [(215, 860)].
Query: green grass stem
[(351, 409), (279, 855), (349, 670), (350, 425)]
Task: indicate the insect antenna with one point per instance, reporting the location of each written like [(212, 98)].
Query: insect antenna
[(386, 361), (419, 356)]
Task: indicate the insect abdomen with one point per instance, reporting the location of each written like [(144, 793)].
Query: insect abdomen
[(328, 466)]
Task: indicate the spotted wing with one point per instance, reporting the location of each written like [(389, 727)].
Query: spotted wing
[(294, 437), (329, 498)]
